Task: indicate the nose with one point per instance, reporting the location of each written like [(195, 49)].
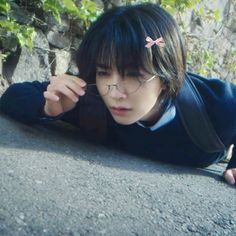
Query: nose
[(116, 89)]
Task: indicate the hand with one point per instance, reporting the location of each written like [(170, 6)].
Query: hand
[(230, 176), (62, 94)]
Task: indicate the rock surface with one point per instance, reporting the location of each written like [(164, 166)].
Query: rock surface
[(208, 55), (52, 182), (29, 65)]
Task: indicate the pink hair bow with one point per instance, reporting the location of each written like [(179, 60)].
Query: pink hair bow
[(159, 42)]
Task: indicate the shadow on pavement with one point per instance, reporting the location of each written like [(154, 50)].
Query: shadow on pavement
[(64, 139)]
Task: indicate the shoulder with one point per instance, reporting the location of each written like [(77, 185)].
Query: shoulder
[(219, 98), (215, 91)]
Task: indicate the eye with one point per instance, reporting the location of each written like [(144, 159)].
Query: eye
[(102, 73), (134, 74)]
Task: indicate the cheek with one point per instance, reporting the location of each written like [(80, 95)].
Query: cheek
[(147, 105), (98, 86), (144, 107), (105, 100), (102, 89), (146, 100)]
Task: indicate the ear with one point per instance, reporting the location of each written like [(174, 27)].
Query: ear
[(163, 86)]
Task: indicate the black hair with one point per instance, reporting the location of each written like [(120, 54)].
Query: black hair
[(117, 38)]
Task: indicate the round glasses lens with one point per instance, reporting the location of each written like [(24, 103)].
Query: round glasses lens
[(92, 90), (130, 84)]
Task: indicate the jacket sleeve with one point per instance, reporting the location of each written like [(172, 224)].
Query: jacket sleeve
[(232, 162), (220, 100), (24, 101)]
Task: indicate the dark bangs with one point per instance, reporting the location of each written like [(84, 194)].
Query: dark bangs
[(115, 40), (118, 38), (122, 46)]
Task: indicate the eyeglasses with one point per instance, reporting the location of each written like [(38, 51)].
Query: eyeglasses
[(129, 85)]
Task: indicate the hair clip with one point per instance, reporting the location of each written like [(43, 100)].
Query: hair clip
[(159, 42)]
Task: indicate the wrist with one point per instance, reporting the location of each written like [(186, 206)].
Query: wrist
[(46, 117), (46, 112)]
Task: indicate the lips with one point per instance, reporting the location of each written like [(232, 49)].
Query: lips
[(120, 111), (120, 108)]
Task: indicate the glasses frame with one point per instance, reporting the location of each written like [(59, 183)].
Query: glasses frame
[(117, 86)]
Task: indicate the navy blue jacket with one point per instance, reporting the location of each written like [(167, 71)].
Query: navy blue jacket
[(169, 143)]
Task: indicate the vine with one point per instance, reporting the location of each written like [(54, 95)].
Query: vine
[(14, 33)]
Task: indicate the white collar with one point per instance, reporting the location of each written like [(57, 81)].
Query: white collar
[(167, 117)]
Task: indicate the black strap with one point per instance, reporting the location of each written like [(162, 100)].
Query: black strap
[(196, 121), (93, 118), (189, 104)]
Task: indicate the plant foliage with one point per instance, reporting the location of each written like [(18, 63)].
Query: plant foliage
[(14, 33)]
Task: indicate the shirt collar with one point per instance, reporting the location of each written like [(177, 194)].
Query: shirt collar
[(167, 117)]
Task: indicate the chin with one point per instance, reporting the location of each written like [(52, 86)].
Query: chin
[(124, 120)]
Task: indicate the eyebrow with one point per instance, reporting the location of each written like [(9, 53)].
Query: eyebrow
[(102, 66)]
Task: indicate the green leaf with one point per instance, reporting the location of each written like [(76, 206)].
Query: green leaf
[(201, 11), (9, 25), (55, 7), (4, 6), (23, 33), (3, 56), (217, 15), (71, 7)]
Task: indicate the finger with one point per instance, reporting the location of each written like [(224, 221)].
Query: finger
[(51, 97), (77, 80), (73, 83), (229, 176), (80, 81), (234, 173), (75, 86), (64, 90)]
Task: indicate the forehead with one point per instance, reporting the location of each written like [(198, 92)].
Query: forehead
[(122, 44), (114, 67)]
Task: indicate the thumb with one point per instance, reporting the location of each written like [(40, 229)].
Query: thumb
[(229, 176)]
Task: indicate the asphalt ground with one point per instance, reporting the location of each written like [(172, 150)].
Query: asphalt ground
[(53, 182)]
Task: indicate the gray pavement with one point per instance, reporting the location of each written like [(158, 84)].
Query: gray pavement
[(52, 182)]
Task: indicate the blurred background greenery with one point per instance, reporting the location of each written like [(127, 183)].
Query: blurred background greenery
[(17, 31)]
